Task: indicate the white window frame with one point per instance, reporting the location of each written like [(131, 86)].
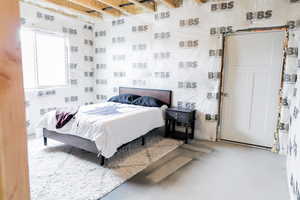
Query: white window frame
[(36, 74)]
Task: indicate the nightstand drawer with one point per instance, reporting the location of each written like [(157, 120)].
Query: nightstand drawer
[(180, 116)]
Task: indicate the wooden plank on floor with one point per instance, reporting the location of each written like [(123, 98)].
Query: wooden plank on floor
[(195, 148), (167, 169)]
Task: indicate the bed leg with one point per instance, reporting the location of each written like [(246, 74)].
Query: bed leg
[(102, 160), (45, 141), (143, 140)]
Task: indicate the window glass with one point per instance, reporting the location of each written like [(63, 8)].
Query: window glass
[(28, 57), (44, 59), (51, 60)]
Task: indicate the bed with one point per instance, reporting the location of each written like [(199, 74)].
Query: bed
[(105, 134)]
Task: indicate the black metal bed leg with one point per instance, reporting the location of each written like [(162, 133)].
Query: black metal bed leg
[(45, 141), (186, 135), (102, 160), (143, 140)]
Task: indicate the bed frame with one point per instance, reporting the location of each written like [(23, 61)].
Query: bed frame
[(90, 146)]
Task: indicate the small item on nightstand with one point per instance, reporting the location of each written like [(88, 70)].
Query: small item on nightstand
[(181, 117)]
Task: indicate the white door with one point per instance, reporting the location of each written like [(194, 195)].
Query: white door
[(252, 75)]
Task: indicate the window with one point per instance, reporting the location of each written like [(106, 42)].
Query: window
[(44, 58)]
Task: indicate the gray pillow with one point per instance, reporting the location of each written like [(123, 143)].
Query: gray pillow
[(124, 98), (148, 101)]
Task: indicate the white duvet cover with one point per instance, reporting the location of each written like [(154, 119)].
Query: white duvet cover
[(109, 124)]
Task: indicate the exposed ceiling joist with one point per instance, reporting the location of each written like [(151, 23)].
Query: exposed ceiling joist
[(147, 5), (116, 8), (75, 7), (201, 1), (171, 3), (127, 10), (97, 6)]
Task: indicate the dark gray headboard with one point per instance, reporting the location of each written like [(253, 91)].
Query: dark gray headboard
[(163, 95)]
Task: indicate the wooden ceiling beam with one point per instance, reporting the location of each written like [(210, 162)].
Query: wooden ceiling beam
[(127, 10), (171, 3), (97, 6), (75, 7), (150, 6)]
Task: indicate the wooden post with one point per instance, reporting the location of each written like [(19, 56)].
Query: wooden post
[(14, 184)]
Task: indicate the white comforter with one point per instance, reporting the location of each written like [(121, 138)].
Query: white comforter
[(109, 124)]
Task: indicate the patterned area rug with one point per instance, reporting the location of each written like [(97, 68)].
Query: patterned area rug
[(62, 172)]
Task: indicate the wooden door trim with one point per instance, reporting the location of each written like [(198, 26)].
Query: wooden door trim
[(14, 181)]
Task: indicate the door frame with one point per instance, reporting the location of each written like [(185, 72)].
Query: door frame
[(14, 175), (285, 29)]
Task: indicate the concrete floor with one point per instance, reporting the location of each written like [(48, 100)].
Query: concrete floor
[(219, 171)]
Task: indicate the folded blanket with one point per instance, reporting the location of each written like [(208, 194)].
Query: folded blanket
[(63, 117)]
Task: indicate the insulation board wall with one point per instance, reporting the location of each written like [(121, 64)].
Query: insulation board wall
[(179, 49), (293, 158), (81, 64)]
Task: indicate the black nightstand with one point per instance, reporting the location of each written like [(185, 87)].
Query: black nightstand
[(180, 117)]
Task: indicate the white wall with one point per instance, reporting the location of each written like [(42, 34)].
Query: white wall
[(126, 66), (73, 95), (294, 139)]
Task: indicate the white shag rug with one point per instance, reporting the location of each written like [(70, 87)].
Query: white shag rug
[(62, 172)]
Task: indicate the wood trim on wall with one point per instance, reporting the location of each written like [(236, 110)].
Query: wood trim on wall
[(220, 90), (14, 182)]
